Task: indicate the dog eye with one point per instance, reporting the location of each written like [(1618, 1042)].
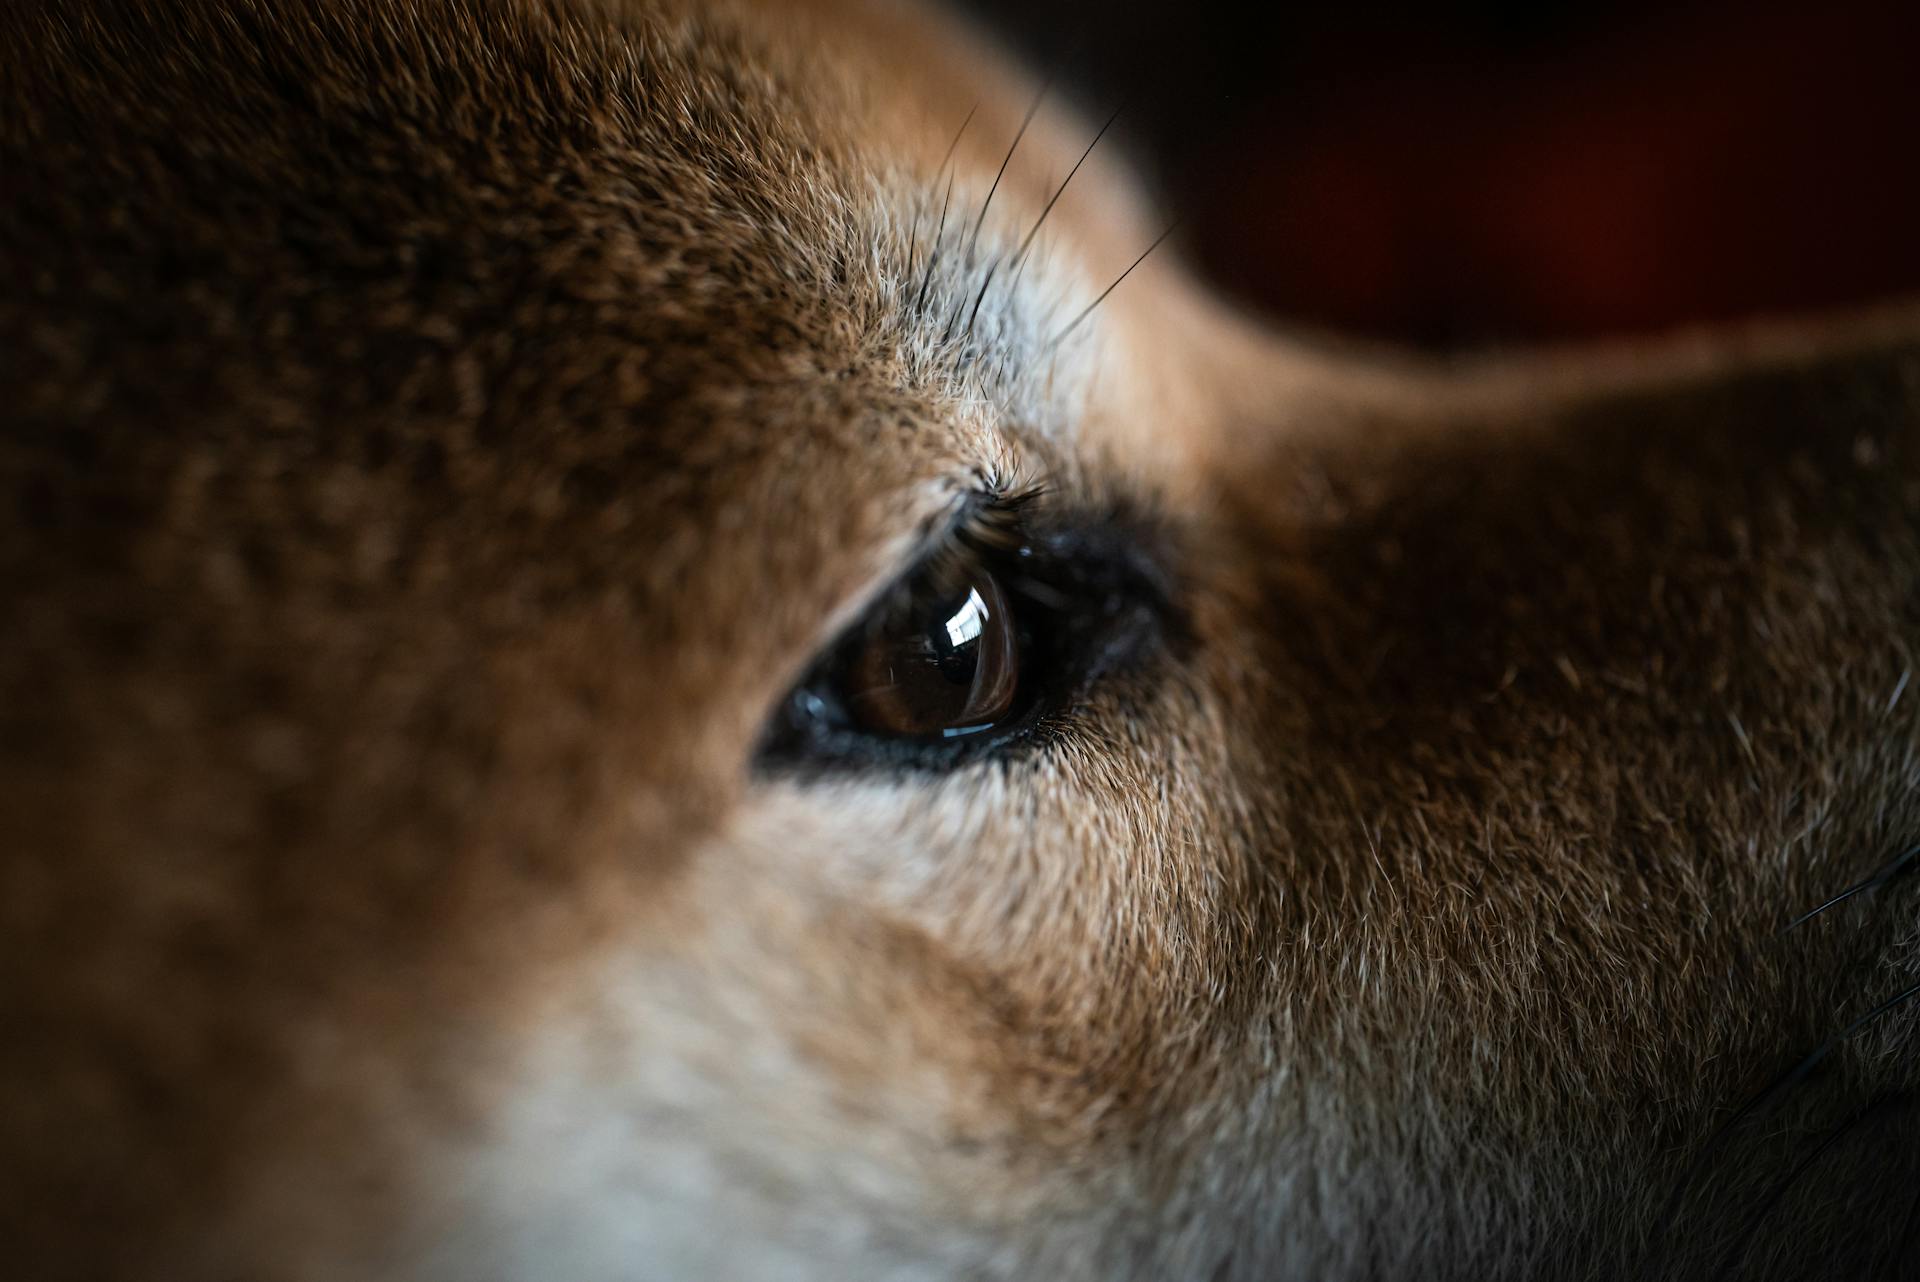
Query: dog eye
[(944, 667), (946, 664), (989, 642)]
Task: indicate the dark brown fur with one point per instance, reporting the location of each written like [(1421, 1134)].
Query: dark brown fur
[(440, 432)]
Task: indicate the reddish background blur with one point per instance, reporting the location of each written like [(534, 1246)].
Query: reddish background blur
[(1490, 171)]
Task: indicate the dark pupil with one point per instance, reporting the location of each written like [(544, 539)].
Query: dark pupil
[(939, 667)]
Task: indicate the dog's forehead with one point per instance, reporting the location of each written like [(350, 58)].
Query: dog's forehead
[(619, 285), (454, 366)]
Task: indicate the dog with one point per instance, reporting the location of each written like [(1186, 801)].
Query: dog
[(651, 639)]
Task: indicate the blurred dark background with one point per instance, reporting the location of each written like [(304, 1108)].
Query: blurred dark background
[(1492, 171)]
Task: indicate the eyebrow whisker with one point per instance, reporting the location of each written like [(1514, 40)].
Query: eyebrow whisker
[(981, 297), (1020, 255), (933, 254), (974, 237), (1906, 862), (913, 238), (1075, 322)]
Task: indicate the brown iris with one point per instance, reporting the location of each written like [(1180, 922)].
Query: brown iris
[(944, 665)]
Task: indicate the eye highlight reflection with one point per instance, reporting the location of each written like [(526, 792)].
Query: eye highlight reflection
[(944, 667), (994, 636)]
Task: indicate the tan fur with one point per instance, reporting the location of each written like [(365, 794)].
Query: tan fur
[(440, 431)]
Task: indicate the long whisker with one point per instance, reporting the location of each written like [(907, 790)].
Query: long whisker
[(1906, 862), (1020, 254), (913, 239), (1075, 322), (1766, 1099), (1785, 1184), (982, 295), (1019, 259), (933, 255), (974, 237)]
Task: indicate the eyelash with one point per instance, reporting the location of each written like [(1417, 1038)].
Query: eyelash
[(1080, 577)]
